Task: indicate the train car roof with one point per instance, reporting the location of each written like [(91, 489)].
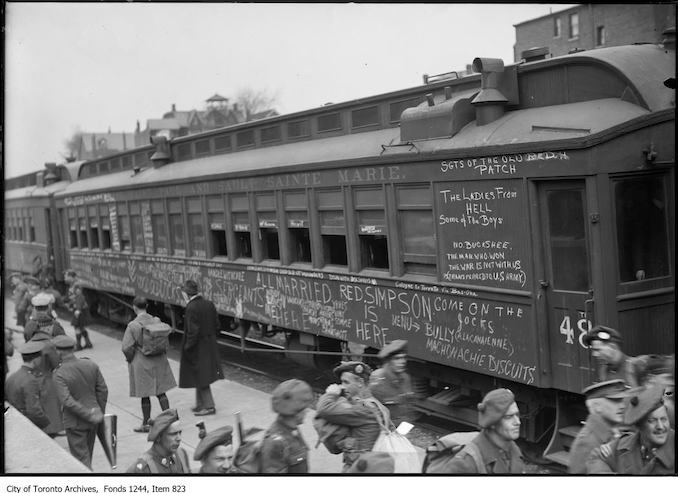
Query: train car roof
[(35, 191)]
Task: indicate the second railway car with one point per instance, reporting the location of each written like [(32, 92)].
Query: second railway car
[(491, 223)]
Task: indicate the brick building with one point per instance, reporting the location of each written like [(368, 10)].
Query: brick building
[(590, 26)]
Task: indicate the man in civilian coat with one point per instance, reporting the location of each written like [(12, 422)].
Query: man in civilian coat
[(199, 357), (148, 375), (22, 388), (83, 393)]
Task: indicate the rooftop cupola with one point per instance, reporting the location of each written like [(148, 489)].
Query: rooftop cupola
[(162, 155)]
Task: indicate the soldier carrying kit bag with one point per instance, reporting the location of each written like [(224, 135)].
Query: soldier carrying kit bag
[(155, 337), (441, 453)]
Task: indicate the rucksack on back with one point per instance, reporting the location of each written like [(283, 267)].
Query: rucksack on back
[(441, 453), (331, 435), (155, 337), (247, 459)]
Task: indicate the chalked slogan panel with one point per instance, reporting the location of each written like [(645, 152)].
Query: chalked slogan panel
[(483, 233)]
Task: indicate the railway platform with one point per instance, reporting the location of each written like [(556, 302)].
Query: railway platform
[(230, 397)]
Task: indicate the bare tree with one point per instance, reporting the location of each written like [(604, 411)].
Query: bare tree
[(255, 103)]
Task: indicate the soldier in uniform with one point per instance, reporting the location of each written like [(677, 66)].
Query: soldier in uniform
[(23, 305), (647, 450), (605, 344), (606, 405), (19, 288), (351, 404), (22, 388), (165, 455), (391, 384), (494, 450), (42, 318), (283, 449), (215, 451), (80, 318), (83, 393)]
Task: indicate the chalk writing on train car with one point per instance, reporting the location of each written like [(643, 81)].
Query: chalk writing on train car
[(88, 199), (505, 164)]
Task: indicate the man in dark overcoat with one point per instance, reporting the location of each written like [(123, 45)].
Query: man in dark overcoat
[(148, 375), (22, 388), (83, 393), (199, 356)]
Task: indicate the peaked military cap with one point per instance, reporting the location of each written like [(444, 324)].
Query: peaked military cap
[(42, 299), (373, 463), (610, 389), (291, 397), (220, 436), (356, 367), (643, 404), (392, 348), (63, 342), (190, 287), (161, 422), (31, 347), (603, 334), (31, 280)]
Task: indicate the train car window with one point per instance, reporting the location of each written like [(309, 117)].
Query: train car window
[(176, 225), (136, 227), (222, 144), (217, 226), (123, 225), (196, 228), (298, 129), (396, 108), (270, 134), (82, 228), (642, 234), (329, 122), (415, 222), (296, 210), (202, 148), (184, 151), (241, 225), (127, 162), (268, 226), (72, 228), (158, 224), (369, 203), (31, 230), (21, 227), (332, 227), (365, 117), (141, 159), (105, 227), (116, 165), (245, 138), (567, 236), (93, 227)]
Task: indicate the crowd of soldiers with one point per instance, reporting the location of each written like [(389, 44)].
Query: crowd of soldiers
[(629, 429)]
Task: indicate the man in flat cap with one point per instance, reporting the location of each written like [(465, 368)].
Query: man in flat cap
[(283, 449), (199, 356), (606, 405), (373, 463), (42, 318), (165, 455), (23, 305), (22, 388), (605, 344), (83, 393), (494, 450), (215, 451), (352, 405), (391, 384), (649, 450)]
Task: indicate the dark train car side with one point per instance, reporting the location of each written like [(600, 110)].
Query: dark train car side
[(489, 231)]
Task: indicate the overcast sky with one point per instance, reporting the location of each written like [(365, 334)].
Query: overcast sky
[(95, 66)]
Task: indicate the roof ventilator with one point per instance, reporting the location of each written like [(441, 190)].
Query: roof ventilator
[(498, 88), (51, 175), (161, 156)]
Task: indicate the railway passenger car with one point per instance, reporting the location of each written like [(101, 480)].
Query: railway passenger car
[(490, 220)]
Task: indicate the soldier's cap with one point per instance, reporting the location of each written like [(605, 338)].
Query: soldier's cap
[(42, 299), (63, 342), (603, 334), (291, 397), (392, 348), (190, 287), (31, 280), (31, 347), (494, 406), (661, 364), (373, 463), (161, 422), (220, 436), (610, 389), (356, 367), (649, 399)]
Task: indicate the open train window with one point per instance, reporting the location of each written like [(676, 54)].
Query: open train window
[(31, 230), (105, 228), (415, 222), (72, 229), (82, 228), (332, 226), (123, 222), (241, 225), (268, 226), (136, 227), (196, 228), (94, 226), (270, 247), (176, 224), (296, 210), (369, 203), (642, 235), (217, 227), (160, 239)]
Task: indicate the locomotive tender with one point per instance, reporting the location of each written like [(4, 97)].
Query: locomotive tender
[(490, 220)]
